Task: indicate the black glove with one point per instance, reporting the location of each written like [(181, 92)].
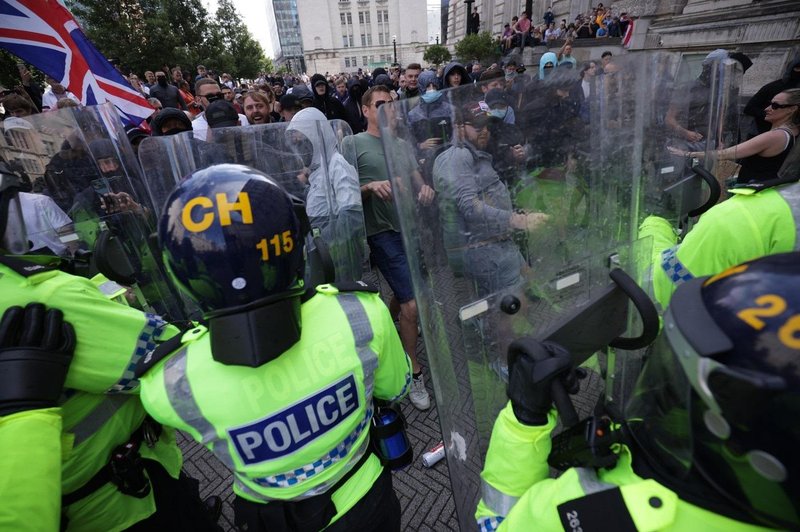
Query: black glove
[(36, 347), (532, 368)]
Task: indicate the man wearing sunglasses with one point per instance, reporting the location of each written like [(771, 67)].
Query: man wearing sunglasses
[(207, 90)]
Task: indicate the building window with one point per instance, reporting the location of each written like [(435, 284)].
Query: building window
[(383, 27), (347, 62), (364, 60), (346, 20)]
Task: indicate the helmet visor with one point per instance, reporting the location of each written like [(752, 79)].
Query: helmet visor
[(658, 412)]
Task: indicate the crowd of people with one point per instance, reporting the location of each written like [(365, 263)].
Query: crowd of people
[(598, 22)]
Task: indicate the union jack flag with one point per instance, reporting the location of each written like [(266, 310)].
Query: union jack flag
[(45, 34)]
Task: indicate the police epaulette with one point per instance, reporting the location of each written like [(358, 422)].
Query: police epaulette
[(355, 286), (26, 266), (162, 351)]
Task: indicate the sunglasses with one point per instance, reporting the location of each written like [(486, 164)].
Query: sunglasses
[(379, 103), (776, 105)]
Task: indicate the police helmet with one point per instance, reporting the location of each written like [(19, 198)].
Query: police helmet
[(231, 237), (719, 397)]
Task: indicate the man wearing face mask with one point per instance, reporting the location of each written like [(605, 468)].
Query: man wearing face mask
[(167, 94), (431, 120)]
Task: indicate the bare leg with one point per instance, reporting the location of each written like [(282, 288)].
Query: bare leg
[(408, 330)]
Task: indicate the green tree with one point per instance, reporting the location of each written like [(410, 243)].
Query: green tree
[(480, 47), (436, 54), (150, 34), (241, 55)]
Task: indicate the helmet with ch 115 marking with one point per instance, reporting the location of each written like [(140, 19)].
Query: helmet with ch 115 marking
[(718, 400), (232, 237)]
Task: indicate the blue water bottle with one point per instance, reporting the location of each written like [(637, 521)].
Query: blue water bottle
[(389, 438)]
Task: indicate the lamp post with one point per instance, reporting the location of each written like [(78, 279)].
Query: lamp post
[(394, 47)]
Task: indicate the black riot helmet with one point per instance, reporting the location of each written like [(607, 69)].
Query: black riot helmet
[(233, 241), (719, 397)]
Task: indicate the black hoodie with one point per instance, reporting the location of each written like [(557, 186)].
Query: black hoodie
[(326, 103), (760, 100)]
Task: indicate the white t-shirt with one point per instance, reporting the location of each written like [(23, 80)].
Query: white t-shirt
[(43, 218), (50, 99), (200, 125)]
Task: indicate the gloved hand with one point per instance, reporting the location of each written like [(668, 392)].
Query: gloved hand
[(36, 347), (532, 368)]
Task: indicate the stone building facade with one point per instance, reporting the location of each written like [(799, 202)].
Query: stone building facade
[(345, 35)]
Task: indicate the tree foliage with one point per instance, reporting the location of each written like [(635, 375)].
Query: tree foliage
[(476, 47), (153, 34), (436, 54)]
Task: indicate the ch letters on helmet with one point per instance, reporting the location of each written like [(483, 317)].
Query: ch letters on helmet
[(201, 205)]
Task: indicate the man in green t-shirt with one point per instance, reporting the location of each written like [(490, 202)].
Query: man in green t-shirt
[(383, 229)]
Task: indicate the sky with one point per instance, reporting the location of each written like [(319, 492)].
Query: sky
[(254, 15)]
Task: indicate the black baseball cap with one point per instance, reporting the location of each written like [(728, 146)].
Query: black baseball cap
[(220, 113)]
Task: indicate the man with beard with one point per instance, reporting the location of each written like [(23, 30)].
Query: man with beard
[(480, 223), (257, 108), (167, 94)]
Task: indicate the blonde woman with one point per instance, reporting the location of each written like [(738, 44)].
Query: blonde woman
[(762, 156)]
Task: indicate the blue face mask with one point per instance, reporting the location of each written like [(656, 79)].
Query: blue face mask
[(431, 96), (499, 113), (510, 75)]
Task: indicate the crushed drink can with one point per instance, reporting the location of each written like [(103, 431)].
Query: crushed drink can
[(430, 458)]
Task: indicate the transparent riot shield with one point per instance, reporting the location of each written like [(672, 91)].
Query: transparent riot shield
[(84, 200), (307, 157), (702, 117), (529, 219)]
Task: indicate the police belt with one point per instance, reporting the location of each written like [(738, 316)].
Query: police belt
[(123, 458), (307, 515)]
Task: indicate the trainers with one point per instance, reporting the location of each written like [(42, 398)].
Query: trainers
[(418, 394)]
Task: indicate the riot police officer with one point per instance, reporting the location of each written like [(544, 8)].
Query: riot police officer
[(709, 440), (280, 385), (36, 347), (117, 468)]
